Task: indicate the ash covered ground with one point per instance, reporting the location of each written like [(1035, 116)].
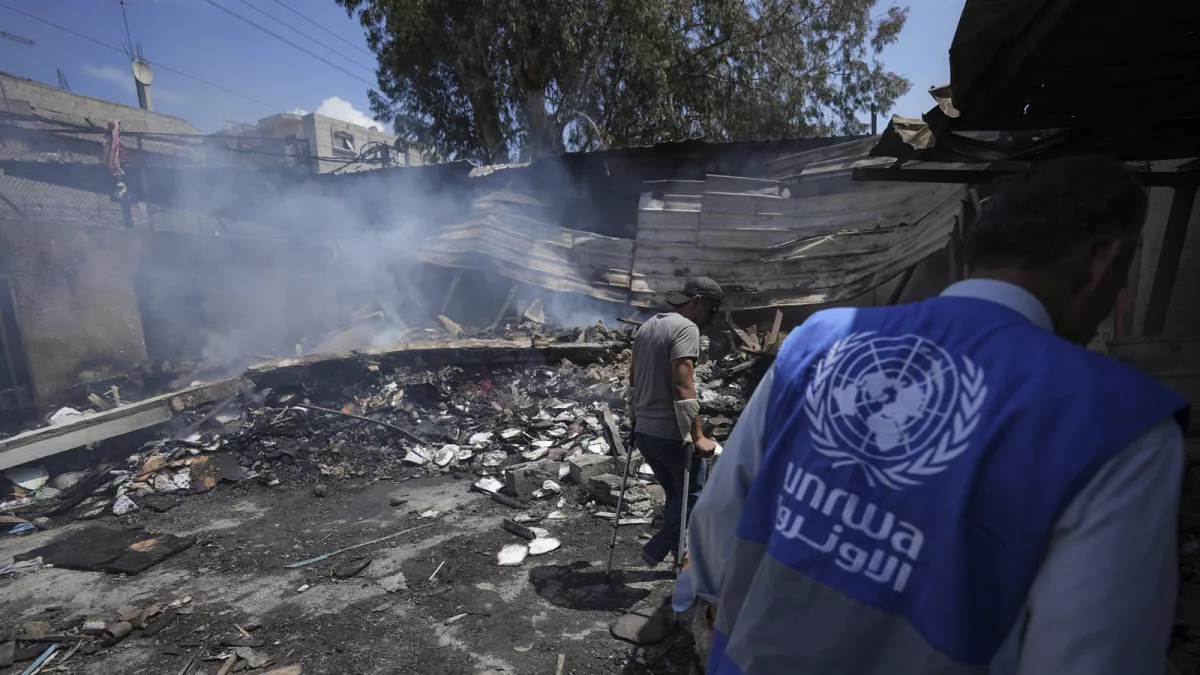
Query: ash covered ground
[(210, 512)]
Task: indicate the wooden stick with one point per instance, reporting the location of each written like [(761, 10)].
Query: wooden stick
[(439, 569), (450, 291), (562, 660), (631, 322), (225, 669), (774, 336), (504, 309)]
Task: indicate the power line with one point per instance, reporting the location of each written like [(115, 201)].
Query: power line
[(279, 37), (305, 35), (335, 35), (153, 63)]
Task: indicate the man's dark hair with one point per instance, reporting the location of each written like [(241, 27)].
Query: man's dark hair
[(1056, 212)]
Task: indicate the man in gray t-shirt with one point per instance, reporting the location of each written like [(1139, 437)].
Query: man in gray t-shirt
[(663, 403)]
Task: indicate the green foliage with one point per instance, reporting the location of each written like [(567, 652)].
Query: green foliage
[(502, 80)]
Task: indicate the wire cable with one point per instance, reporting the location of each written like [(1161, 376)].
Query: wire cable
[(279, 37), (153, 63), (335, 35), (306, 35)]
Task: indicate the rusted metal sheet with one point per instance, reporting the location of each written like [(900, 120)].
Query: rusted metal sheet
[(833, 239)]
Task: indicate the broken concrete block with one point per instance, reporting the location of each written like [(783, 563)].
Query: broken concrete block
[(523, 480), (589, 466), (394, 583), (606, 489), (642, 627), (36, 628)]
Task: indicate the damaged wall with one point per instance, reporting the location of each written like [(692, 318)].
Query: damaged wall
[(76, 303), (94, 303)]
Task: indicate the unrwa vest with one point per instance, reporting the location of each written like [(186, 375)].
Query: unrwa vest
[(916, 460)]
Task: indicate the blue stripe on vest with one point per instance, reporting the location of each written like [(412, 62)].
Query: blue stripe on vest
[(717, 663), (917, 458)]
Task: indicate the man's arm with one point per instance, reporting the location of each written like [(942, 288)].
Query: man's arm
[(1103, 602), (713, 523), (683, 373)]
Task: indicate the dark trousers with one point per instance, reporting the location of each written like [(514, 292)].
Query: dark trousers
[(666, 458)]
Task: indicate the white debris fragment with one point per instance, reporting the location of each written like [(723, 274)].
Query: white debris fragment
[(543, 444), (416, 455), (542, 416), (494, 458), (526, 518), (480, 438), (64, 415), (431, 513), (598, 446), (489, 484), (540, 532), (124, 505), (464, 455), (548, 489), (535, 454), (455, 619), (556, 515), (28, 477), (593, 422), (558, 432), (446, 455), (561, 503), (542, 545), (564, 417), (182, 479), (564, 471), (303, 588), (512, 555), (564, 406), (393, 583), (509, 434)]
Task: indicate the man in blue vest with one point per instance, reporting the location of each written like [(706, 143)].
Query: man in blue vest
[(957, 485)]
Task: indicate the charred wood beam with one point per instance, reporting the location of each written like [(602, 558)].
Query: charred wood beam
[(970, 177), (1169, 255)]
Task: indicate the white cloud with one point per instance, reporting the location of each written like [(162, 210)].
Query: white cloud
[(123, 79), (112, 75), (341, 109)]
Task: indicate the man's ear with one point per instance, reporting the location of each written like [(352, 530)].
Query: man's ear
[(1109, 260)]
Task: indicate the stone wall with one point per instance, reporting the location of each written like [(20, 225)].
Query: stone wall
[(27, 97)]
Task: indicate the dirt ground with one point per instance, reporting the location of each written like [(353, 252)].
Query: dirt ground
[(517, 619)]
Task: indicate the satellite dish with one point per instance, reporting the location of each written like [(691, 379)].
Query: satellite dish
[(142, 73)]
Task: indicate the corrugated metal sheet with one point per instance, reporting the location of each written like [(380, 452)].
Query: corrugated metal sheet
[(817, 236), (509, 233), (769, 247)]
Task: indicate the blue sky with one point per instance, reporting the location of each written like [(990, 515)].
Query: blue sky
[(195, 38)]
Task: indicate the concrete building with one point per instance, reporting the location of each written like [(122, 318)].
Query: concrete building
[(334, 145)]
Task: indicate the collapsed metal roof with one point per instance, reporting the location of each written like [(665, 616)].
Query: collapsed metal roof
[(805, 234)]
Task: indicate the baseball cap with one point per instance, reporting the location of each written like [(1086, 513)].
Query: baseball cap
[(701, 286)]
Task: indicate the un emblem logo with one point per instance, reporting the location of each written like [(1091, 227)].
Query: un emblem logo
[(901, 408)]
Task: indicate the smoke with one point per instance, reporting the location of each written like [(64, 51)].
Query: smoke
[(321, 264)]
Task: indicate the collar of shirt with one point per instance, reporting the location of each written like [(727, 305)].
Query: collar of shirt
[(1003, 293)]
